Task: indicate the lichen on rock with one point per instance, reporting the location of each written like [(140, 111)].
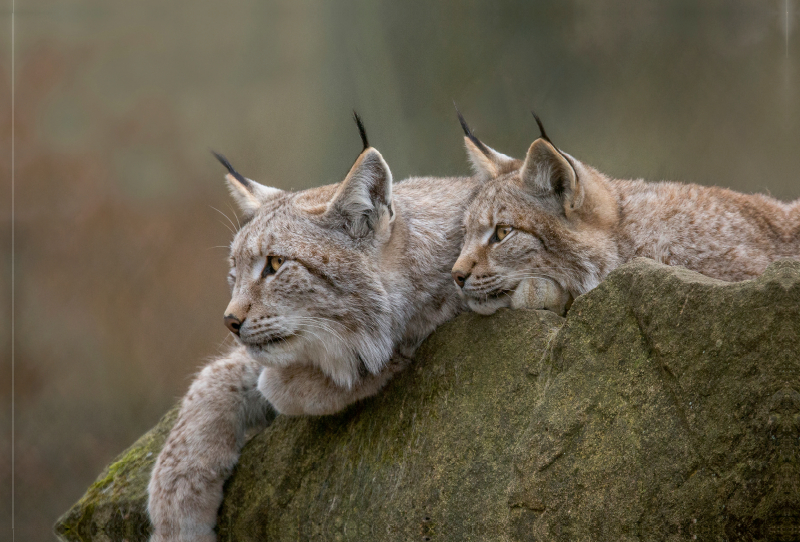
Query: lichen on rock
[(115, 506), (664, 407)]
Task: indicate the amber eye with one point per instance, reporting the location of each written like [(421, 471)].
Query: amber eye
[(501, 231), (273, 264)]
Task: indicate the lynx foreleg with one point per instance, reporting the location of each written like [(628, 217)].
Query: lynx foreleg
[(541, 293), (305, 390), (185, 488)]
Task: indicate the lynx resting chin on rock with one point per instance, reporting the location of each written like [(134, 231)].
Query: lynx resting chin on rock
[(333, 288), (545, 230)]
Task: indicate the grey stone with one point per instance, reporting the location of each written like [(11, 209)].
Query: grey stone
[(665, 407)]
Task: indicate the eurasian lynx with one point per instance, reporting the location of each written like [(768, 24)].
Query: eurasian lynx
[(546, 230), (333, 289)]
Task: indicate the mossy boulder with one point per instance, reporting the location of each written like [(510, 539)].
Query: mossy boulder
[(665, 407)]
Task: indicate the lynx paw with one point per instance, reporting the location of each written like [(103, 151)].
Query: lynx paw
[(541, 293), (180, 508)]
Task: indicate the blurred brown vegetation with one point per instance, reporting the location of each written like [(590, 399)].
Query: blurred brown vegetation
[(120, 281)]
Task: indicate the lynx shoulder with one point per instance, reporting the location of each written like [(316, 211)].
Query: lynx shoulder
[(549, 228), (332, 290)]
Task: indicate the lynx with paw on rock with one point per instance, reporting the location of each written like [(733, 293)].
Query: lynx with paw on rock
[(333, 289), (546, 229)]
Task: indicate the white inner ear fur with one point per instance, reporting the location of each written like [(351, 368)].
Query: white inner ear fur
[(486, 167), (250, 197), (364, 198), (543, 165)]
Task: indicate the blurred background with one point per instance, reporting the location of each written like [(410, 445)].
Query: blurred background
[(120, 257)]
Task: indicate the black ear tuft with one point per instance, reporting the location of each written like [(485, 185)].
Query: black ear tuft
[(541, 128), (467, 132), (544, 136), (236, 175), (362, 132)]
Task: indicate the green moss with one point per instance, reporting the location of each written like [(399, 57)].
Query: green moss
[(114, 506), (665, 407), (130, 459)]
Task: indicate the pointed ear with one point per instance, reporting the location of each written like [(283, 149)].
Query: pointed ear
[(547, 173), (248, 194), (364, 199), (486, 162)]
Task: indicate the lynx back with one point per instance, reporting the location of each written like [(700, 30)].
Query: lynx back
[(547, 229)]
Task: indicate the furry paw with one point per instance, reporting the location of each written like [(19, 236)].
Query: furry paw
[(182, 507), (541, 293)]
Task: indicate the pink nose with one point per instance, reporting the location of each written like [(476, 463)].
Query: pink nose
[(233, 323), (460, 277)]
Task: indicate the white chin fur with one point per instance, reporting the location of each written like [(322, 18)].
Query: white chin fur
[(275, 355), (329, 354)]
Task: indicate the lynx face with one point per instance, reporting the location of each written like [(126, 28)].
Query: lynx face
[(548, 229), (503, 251), (304, 278), (538, 233)]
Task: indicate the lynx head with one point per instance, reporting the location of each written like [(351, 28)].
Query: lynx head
[(548, 219), (305, 275)]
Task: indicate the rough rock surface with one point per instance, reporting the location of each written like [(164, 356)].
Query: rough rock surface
[(665, 407)]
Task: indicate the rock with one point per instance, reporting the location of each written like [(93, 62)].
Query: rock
[(115, 506), (666, 406), (672, 413)]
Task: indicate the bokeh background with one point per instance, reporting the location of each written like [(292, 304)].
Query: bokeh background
[(120, 253)]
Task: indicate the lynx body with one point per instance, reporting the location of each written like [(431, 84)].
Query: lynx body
[(547, 229), (333, 289)]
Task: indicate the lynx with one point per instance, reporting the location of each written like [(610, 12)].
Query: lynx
[(333, 289), (545, 230)]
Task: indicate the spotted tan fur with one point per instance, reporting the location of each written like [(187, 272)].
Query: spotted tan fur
[(572, 225), (364, 279)]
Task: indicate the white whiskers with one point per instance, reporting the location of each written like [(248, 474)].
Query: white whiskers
[(233, 226)]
